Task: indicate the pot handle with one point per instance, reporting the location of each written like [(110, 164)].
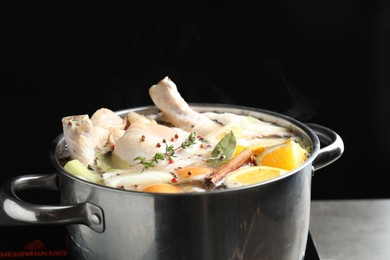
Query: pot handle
[(82, 213), (331, 152)]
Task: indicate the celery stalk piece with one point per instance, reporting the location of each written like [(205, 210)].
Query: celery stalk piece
[(76, 168)]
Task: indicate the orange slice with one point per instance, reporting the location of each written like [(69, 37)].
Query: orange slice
[(192, 172), (255, 150), (287, 156), (162, 188)]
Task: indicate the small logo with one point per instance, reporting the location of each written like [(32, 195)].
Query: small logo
[(34, 248), (35, 245)]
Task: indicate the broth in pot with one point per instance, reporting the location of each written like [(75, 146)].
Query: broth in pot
[(178, 149)]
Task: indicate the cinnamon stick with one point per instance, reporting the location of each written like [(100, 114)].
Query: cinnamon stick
[(232, 165)]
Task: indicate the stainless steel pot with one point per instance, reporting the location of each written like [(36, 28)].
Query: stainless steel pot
[(269, 220)]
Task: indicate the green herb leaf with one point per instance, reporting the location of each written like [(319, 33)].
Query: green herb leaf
[(224, 150), (189, 141), (168, 154)]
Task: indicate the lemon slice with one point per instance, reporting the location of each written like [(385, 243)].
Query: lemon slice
[(251, 175)]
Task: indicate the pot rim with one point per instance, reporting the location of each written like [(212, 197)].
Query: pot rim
[(267, 115)]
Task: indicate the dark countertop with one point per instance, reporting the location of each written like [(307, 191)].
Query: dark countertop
[(351, 229)]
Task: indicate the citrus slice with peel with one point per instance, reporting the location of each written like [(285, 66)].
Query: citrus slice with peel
[(258, 146), (255, 150), (162, 188), (192, 172), (287, 156), (251, 175)]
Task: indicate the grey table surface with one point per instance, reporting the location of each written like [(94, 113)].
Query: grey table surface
[(351, 229)]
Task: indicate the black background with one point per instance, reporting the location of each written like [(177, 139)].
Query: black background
[(318, 61)]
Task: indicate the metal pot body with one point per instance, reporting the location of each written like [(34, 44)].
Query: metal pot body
[(265, 222), (269, 220)]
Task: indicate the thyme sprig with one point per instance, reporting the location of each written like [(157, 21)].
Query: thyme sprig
[(170, 151)]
